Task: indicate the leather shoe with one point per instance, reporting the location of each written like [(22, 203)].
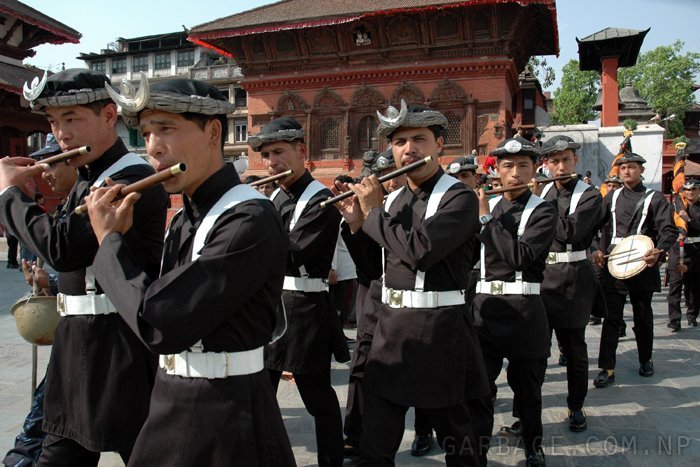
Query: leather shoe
[(674, 325), (535, 459), (513, 431), (693, 321), (422, 445), (647, 369), (604, 379), (577, 421), (350, 450)]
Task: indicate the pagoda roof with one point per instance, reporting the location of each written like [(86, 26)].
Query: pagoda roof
[(299, 14), (13, 77), (59, 33), (610, 42)]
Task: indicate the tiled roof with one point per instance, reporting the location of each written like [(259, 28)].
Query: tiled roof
[(12, 77), (61, 32), (612, 33)]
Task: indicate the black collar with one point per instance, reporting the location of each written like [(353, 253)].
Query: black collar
[(95, 168), (209, 192), (427, 187), (298, 187)]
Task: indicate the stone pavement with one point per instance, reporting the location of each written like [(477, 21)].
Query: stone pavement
[(636, 422)]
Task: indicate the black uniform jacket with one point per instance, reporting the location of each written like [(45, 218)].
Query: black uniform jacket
[(314, 331), (659, 226), (515, 326), (226, 300), (100, 376), (568, 289), (691, 250), (424, 357)]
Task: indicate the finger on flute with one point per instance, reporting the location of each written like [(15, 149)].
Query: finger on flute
[(382, 179), (144, 183)]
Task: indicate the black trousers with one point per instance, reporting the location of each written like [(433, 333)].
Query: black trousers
[(64, 452), (572, 342), (525, 378), (322, 403), (355, 406), (12, 245), (643, 326), (383, 429), (421, 422), (678, 283)]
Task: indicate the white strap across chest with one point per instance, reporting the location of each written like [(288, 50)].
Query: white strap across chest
[(310, 191), (532, 203), (576, 195), (649, 194)]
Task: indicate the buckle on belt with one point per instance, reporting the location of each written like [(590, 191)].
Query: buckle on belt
[(496, 287), (60, 304), (169, 362), (551, 258), (395, 297)]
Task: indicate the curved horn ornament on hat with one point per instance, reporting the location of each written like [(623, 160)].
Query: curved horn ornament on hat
[(31, 93), (130, 99), (394, 117)]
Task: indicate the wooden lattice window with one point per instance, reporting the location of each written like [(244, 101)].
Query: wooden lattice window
[(330, 135), (446, 27), (453, 134), (366, 130)]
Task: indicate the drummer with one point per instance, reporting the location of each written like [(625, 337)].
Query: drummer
[(632, 210)]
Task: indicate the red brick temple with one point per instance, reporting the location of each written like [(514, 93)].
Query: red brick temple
[(333, 70)]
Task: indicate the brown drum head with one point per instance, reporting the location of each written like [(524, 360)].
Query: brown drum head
[(626, 259)]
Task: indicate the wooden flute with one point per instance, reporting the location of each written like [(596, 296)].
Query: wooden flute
[(66, 155), (530, 185), (144, 183), (272, 178), (382, 179)]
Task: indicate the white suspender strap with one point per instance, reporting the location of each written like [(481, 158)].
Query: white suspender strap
[(645, 209), (127, 160), (579, 189), (532, 203), (546, 189), (311, 189), (613, 207), (231, 198), (275, 193), (441, 187), (482, 266)]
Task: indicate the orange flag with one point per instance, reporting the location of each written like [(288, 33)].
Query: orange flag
[(625, 146)]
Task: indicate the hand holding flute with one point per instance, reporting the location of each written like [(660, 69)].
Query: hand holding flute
[(16, 171), (109, 216)]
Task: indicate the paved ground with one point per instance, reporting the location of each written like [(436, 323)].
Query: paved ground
[(637, 422)]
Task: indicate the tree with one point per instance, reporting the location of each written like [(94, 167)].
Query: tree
[(542, 71), (575, 98), (664, 78)]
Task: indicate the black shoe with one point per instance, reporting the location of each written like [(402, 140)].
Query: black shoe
[(693, 321), (647, 369), (513, 431), (675, 325), (535, 459), (422, 445), (12, 266), (562, 360), (604, 379), (350, 449), (594, 320), (577, 421)]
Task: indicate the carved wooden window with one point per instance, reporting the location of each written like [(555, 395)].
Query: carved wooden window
[(453, 134), (257, 46), (482, 26), (285, 43), (330, 135), (366, 130), (446, 27)]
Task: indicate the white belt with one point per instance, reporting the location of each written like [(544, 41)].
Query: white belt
[(305, 284), (418, 299), (565, 257), (689, 240), (213, 365), (508, 288), (91, 304)]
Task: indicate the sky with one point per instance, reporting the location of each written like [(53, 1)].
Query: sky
[(669, 20)]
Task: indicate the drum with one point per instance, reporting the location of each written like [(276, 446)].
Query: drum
[(627, 258)]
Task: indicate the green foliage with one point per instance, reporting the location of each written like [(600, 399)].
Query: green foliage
[(542, 71), (575, 98), (630, 124), (664, 78), (681, 139)]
